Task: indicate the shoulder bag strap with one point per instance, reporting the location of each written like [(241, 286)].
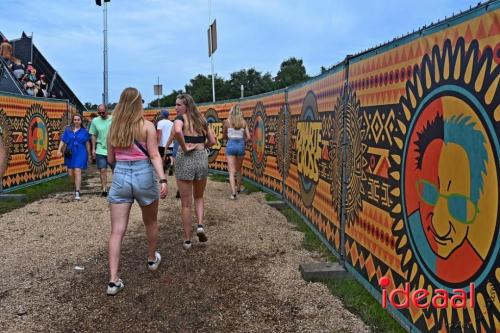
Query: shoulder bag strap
[(141, 147)]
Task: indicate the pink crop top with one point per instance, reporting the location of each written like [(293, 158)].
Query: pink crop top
[(132, 153)]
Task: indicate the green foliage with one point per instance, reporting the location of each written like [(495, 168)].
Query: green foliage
[(253, 81), (291, 71), (168, 100), (358, 300)]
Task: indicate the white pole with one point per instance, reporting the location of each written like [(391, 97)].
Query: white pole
[(105, 74), (211, 54)]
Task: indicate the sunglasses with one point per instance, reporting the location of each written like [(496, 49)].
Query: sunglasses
[(460, 206)]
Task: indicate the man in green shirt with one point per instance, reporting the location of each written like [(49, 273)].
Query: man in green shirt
[(99, 130)]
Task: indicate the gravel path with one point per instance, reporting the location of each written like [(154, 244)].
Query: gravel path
[(245, 280)]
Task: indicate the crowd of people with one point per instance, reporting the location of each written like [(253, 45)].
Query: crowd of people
[(33, 82), (140, 155)]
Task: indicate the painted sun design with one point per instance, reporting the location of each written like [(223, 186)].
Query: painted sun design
[(36, 139), (335, 148), (354, 159), (259, 121), (5, 132), (283, 141), (455, 85)]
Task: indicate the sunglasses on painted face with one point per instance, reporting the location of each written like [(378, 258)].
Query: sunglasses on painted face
[(460, 206)]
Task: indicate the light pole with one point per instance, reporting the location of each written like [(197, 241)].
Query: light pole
[(105, 51)]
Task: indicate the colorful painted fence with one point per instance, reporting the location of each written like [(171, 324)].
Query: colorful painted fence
[(30, 129), (393, 158)]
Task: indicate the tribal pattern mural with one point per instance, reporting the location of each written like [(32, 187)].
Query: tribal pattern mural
[(398, 147), (30, 130)]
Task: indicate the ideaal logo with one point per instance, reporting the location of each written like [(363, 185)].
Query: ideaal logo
[(216, 125), (308, 148), (423, 299)]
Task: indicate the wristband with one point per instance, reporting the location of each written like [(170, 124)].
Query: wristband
[(163, 181)]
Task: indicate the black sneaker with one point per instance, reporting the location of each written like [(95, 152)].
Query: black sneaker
[(177, 195), (200, 232), (104, 194)]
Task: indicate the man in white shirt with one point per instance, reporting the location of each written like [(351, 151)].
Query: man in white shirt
[(163, 129)]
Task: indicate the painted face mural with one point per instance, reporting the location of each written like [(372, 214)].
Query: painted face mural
[(450, 186), (37, 139)]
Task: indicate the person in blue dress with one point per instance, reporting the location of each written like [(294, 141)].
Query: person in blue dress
[(75, 146)]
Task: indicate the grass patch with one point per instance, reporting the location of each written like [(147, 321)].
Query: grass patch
[(354, 296), (271, 197), (35, 192), (218, 178), (359, 301)]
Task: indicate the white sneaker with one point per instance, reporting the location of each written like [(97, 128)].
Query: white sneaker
[(77, 195), (233, 197), (115, 287), (153, 265), (200, 232), (187, 245)]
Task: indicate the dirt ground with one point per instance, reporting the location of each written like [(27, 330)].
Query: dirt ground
[(245, 279)]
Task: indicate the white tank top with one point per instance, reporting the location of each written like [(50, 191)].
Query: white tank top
[(235, 133)]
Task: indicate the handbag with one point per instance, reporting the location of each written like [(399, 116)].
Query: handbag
[(67, 152)]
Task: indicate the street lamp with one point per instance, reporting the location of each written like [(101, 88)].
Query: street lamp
[(105, 33)]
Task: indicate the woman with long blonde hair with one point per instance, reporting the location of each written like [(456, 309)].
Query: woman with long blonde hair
[(133, 148), (236, 132), (191, 165)]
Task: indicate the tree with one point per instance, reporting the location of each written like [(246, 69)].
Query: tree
[(325, 69), (90, 106), (200, 87), (253, 81), (168, 100), (291, 71)]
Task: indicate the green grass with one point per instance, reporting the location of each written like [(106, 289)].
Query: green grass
[(35, 192), (359, 301)]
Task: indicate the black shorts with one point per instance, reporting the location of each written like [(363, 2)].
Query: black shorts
[(169, 151), (162, 151)]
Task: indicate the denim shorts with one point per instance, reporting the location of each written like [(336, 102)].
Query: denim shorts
[(134, 180), (235, 147), (102, 162)]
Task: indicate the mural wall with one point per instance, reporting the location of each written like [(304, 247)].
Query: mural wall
[(429, 137), (393, 157), (30, 129)]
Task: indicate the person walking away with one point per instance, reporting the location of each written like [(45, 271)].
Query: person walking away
[(75, 146), (191, 166), (133, 147), (163, 130), (99, 129), (236, 132)]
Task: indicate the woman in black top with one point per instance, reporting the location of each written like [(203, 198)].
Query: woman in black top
[(191, 167)]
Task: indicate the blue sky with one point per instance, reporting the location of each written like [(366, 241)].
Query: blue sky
[(168, 38)]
